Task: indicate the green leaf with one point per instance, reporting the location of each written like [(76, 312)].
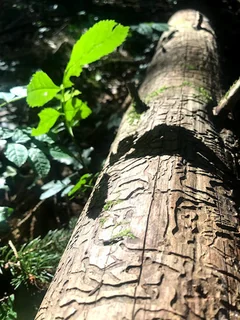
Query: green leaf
[(41, 89), (74, 106), (7, 309), (16, 153), (69, 94), (6, 133), (48, 117), (59, 155), (5, 213), (69, 110), (82, 181), (103, 38), (53, 187), (40, 162), (20, 137), (45, 138), (82, 107)]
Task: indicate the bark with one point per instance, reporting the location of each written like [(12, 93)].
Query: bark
[(158, 238)]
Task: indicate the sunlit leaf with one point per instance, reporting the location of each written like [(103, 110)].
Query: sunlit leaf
[(82, 107), (59, 155), (16, 153), (100, 40), (82, 182), (20, 91), (41, 89), (48, 118), (69, 110), (6, 96), (40, 162), (53, 187), (70, 94)]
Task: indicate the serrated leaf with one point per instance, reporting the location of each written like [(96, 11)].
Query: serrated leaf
[(69, 110), (20, 137), (59, 155), (100, 40), (40, 162), (16, 153), (41, 89), (82, 107), (74, 106), (48, 118), (82, 181)]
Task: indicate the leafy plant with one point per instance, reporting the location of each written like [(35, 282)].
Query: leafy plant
[(100, 40), (38, 151), (6, 308), (33, 264), (37, 145)]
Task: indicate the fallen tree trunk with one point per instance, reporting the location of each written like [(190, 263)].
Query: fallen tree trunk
[(158, 238)]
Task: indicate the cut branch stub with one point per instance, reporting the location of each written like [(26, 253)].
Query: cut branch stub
[(158, 238), (230, 99)]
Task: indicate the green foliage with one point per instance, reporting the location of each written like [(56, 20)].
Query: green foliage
[(16, 93), (33, 264), (103, 38), (6, 308), (86, 178), (100, 40), (36, 151), (48, 118), (17, 153), (33, 145), (41, 89)]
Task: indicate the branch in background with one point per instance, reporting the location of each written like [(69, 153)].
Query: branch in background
[(139, 105), (229, 100)]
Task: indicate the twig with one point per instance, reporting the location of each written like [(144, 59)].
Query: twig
[(228, 102), (13, 249), (29, 213)]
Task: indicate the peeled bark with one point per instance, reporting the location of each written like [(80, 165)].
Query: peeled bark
[(158, 238)]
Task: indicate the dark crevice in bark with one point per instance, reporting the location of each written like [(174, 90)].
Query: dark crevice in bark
[(98, 198), (175, 140)]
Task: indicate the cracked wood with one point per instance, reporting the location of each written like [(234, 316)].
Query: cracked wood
[(165, 194)]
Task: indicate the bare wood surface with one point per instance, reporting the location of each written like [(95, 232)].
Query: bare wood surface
[(158, 238), (230, 99)]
